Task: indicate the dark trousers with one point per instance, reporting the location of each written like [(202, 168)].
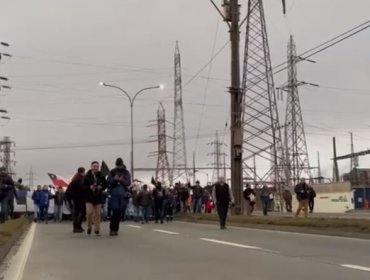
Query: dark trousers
[(222, 210), (115, 220), (79, 213), (265, 205), (311, 204), (288, 205), (44, 212), (159, 210)]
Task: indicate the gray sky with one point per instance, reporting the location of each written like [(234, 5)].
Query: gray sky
[(62, 49)]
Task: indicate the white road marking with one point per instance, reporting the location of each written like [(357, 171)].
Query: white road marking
[(165, 231), (231, 244), (363, 268), (133, 226), (18, 262)]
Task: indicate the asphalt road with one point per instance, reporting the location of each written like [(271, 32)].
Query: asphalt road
[(192, 251)]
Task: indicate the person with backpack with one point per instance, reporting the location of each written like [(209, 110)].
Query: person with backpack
[(302, 190), (119, 180), (250, 199)]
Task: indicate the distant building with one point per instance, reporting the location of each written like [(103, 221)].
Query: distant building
[(358, 177)]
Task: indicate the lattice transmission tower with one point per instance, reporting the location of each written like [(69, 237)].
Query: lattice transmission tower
[(163, 173), (179, 163), (219, 162), (298, 165), (6, 152), (263, 155)]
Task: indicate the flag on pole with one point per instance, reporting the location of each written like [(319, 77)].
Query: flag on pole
[(57, 181)]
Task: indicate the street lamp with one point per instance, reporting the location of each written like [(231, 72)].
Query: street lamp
[(132, 100)]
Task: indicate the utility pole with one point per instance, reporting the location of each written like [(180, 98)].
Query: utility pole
[(232, 17), (318, 168), (335, 162), (31, 178), (194, 170)]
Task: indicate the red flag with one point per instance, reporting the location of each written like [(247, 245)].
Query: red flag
[(58, 182)]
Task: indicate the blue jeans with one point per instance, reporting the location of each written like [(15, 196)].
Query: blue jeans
[(58, 213), (44, 212), (265, 204), (197, 205), (145, 211)]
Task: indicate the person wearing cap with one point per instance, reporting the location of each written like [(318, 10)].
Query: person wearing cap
[(222, 198), (7, 190), (197, 197), (119, 180)]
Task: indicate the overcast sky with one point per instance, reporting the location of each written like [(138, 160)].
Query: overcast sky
[(63, 49)]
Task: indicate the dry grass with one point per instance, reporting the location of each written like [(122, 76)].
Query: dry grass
[(322, 224), (8, 229)]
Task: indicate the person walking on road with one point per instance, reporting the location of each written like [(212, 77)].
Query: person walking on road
[(76, 197), (159, 197), (145, 201), (119, 181), (265, 199), (301, 190), (59, 200), (197, 198), (36, 203), (222, 197), (44, 202), (7, 190), (311, 198), (250, 199), (94, 185)]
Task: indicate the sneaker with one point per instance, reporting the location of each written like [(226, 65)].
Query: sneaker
[(89, 231), (112, 233), (78, 230), (97, 232)]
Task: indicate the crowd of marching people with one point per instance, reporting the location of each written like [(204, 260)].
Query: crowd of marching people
[(94, 196)]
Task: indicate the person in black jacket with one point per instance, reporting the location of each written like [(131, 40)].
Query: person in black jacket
[(7, 190), (119, 180), (76, 198), (250, 199), (301, 190), (159, 196), (222, 197), (311, 198), (94, 185)]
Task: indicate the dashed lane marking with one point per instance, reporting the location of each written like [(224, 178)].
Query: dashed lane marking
[(133, 226), (165, 231), (363, 268), (231, 244)]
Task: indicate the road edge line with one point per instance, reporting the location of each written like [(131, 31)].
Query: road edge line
[(19, 260)]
